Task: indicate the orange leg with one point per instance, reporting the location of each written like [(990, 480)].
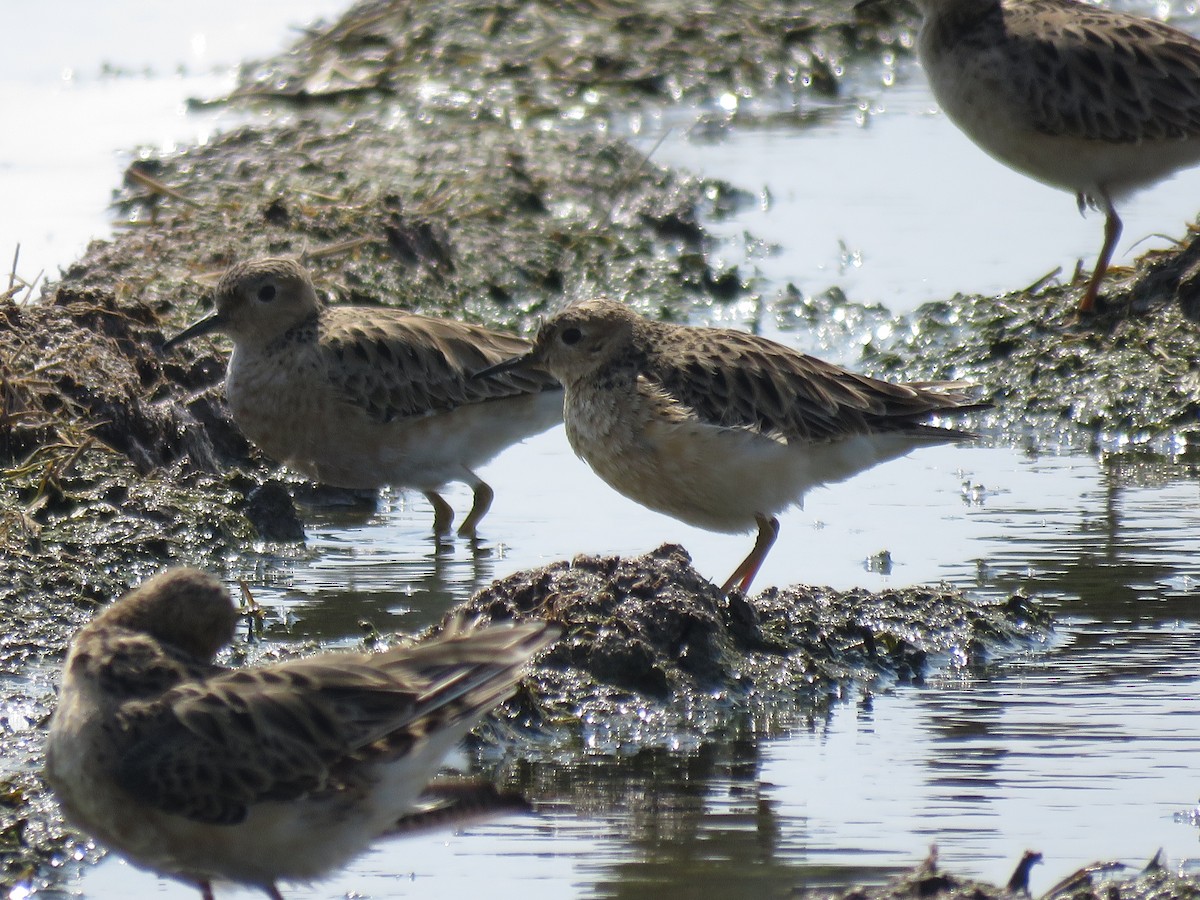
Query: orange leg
[(1112, 233), (768, 530)]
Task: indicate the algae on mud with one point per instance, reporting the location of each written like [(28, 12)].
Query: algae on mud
[(542, 61), (1130, 378), (1096, 882), (1127, 380), (452, 214)]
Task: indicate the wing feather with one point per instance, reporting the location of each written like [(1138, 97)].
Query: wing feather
[(394, 365), (210, 749), (1120, 78), (739, 380)]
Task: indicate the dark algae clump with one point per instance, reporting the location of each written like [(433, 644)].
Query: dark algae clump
[(651, 633)]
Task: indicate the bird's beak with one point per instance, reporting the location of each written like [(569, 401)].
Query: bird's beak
[(206, 325), (531, 360)]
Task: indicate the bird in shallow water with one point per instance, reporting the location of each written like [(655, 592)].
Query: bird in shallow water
[(283, 771), (363, 397), (1093, 101), (719, 428)]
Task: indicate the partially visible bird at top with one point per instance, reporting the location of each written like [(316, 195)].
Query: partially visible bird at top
[(1083, 98)]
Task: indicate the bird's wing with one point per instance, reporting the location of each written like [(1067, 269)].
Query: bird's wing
[(393, 365), (211, 749), (739, 380), (1112, 76)]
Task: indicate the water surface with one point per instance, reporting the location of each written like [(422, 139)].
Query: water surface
[(1081, 749)]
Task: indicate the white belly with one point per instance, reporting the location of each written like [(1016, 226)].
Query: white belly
[(299, 421), (713, 477)]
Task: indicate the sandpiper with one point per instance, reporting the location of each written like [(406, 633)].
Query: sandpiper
[(1093, 101), (363, 397), (284, 771), (720, 428)]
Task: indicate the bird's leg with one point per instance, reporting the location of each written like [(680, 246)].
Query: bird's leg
[(443, 514), (1112, 233), (205, 889), (483, 502), (273, 892), (743, 575), (1019, 883)]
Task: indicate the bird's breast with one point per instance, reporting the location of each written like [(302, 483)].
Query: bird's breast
[(279, 400)]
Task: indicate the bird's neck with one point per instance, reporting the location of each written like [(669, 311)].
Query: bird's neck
[(306, 331)]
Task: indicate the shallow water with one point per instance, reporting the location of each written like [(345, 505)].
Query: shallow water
[(1082, 749)]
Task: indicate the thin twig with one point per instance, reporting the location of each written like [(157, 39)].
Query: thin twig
[(135, 174), (337, 249), (12, 275)]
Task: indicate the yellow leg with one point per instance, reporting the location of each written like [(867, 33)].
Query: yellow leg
[(1112, 233), (443, 515), (743, 575), (483, 502)]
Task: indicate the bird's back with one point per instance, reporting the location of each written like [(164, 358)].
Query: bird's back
[(739, 380), (1068, 93), (393, 364), (284, 771)]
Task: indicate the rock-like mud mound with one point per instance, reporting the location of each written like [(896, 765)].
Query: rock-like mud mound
[(651, 634)]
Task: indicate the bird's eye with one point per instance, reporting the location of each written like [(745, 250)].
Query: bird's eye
[(571, 335), (266, 293)]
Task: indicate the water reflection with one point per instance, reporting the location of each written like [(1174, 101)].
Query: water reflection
[(1126, 551), (1080, 751), (1083, 751)]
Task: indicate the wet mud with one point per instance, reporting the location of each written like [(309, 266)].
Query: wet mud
[(456, 160), (652, 634), (1099, 881)]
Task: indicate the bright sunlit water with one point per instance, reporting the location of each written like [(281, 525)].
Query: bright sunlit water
[(1083, 749)]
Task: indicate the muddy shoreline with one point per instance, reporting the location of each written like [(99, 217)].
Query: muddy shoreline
[(460, 160)]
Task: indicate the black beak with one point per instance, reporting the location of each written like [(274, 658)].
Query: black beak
[(528, 361), (204, 326)]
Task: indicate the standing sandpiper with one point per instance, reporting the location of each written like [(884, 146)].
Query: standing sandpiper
[(1096, 102), (720, 428), (285, 771), (363, 397)]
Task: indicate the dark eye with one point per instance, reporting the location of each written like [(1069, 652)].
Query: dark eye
[(571, 335), (266, 293)]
